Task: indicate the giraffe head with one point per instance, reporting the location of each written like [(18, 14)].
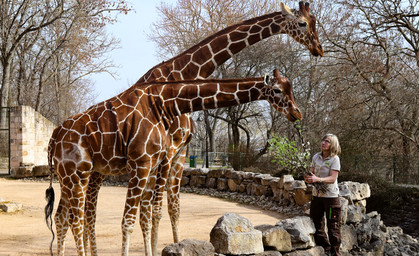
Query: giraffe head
[(302, 27), (278, 92)]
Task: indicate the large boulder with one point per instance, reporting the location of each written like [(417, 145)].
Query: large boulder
[(349, 238), (235, 235), (275, 238), (354, 190), (315, 251), (354, 214), (189, 247), (301, 229)]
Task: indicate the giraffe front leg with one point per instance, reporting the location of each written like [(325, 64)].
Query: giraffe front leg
[(162, 173), (173, 191), (136, 187), (146, 214)]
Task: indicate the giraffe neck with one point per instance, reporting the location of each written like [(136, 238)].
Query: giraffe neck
[(187, 97), (201, 60)]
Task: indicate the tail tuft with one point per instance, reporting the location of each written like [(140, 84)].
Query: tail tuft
[(50, 197)]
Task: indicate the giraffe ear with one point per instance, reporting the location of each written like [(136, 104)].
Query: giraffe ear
[(285, 9), (266, 79)]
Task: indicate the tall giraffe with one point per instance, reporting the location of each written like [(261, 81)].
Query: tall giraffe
[(128, 134), (199, 62)]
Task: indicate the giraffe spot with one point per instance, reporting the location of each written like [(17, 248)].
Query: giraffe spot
[(181, 62), (254, 39), (236, 47), (265, 23), (207, 69), (266, 32), (190, 71), (209, 103), (255, 29), (224, 100), (197, 104), (237, 35), (222, 56), (184, 105), (201, 55), (219, 43), (244, 95)]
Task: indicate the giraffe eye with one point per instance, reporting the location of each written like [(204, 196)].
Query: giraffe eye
[(277, 91), (302, 24)]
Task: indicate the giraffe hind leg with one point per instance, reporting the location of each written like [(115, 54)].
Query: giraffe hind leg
[(95, 182), (62, 222)]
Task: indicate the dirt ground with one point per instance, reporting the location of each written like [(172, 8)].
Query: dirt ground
[(25, 232)]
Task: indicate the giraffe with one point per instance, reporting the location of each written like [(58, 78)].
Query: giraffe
[(107, 139), (199, 62)]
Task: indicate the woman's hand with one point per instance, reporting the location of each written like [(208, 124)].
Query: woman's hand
[(311, 178)]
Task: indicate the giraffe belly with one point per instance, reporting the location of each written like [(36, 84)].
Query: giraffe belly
[(111, 166)]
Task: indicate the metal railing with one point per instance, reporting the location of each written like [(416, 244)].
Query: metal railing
[(5, 148)]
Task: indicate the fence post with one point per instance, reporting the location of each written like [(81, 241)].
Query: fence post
[(356, 162), (394, 169)]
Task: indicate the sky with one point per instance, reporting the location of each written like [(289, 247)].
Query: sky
[(136, 55)]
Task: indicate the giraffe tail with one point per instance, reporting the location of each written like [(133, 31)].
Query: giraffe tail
[(50, 195)]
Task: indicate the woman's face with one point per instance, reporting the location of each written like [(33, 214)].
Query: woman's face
[(326, 144)]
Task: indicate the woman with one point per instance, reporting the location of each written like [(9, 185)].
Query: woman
[(324, 170)]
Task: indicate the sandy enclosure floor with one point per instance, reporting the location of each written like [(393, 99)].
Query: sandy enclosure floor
[(25, 232)]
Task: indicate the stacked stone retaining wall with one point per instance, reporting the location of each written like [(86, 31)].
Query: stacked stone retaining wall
[(29, 136)]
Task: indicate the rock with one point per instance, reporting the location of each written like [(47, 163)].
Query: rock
[(285, 179), (269, 253), (211, 182), (298, 184), (349, 238), (315, 251), (301, 229), (200, 171), (233, 234), (275, 238), (233, 185), (344, 204), (189, 247), (222, 184), (300, 197), (197, 181), (184, 181), (40, 171), (219, 173), (22, 171), (361, 204), (358, 191), (354, 214), (10, 207)]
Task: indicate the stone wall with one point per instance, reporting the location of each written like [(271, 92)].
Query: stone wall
[(283, 192), (29, 136), (362, 233)]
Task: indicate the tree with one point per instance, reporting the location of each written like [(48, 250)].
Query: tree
[(188, 22), (44, 42)]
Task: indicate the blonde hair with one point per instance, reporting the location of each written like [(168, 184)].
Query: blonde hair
[(334, 144)]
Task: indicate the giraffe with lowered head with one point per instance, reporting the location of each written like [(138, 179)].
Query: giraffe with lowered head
[(128, 133)]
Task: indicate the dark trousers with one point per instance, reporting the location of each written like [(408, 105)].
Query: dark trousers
[(331, 207)]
